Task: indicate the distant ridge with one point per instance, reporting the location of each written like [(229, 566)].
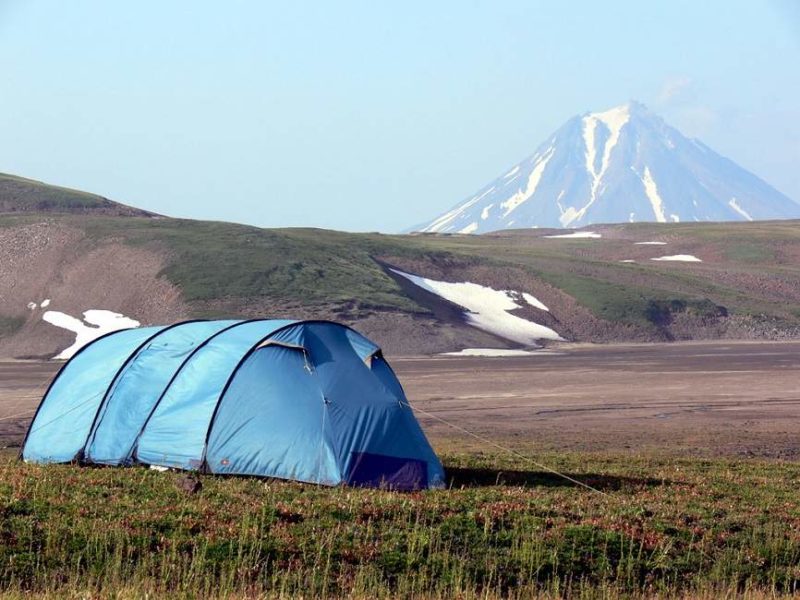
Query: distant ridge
[(82, 262), (618, 166), (20, 195)]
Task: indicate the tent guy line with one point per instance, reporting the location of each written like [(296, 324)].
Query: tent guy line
[(511, 451)]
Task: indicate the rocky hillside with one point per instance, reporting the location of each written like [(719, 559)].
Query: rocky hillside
[(411, 293)]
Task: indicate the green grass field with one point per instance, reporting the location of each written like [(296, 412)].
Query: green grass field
[(666, 528)]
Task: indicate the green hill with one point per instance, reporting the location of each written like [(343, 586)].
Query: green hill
[(18, 194), (747, 285)]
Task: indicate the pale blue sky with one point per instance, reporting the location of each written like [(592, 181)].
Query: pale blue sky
[(371, 115)]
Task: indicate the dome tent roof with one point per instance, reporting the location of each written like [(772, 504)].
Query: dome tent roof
[(305, 400)]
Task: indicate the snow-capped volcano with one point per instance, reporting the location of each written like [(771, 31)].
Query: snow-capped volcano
[(622, 165)]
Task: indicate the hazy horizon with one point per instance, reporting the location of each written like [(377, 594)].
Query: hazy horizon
[(362, 117)]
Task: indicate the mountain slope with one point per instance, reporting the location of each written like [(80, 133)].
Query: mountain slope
[(20, 195), (609, 287), (622, 165)]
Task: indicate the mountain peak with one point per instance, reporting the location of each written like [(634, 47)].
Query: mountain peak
[(638, 107), (632, 108), (613, 166)]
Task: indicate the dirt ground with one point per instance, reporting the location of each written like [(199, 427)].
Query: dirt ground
[(735, 399)]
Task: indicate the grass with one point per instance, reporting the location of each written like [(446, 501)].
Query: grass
[(18, 194), (672, 528), (211, 260)]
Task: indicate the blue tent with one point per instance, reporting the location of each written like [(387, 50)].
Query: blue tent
[(310, 401)]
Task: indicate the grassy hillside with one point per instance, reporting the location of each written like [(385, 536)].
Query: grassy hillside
[(673, 528), (748, 284), (309, 266), (18, 194)]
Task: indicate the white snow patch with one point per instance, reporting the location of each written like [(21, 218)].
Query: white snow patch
[(98, 322), (650, 243), (589, 126), (558, 202), (45, 303), (534, 301), (530, 189), (675, 218), (575, 235), (628, 260), (679, 258), (631, 218), (469, 228), (511, 172), (31, 305), (445, 219), (651, 189), (614, 119), (496, 352), (487, 309), (568, 216), (735, 206), (485, 212)]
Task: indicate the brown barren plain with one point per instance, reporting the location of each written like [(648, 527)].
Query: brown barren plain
[(706, 399)]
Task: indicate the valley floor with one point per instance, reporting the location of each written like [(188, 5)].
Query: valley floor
[(715, 398), (693, 449), (726, 399)]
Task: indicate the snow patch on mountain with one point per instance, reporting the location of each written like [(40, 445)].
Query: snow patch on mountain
[(533, 181), (488, 309), (535, 302), (613, 120), (444, 220), (651, 189), (735, 206), (577, 235), (678, 258)]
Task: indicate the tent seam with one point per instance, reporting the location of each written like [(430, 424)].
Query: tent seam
[(96, 421), (135, 448), (204, 466), (61, 371)]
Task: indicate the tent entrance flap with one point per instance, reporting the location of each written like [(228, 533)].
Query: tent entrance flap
[(391, 472)]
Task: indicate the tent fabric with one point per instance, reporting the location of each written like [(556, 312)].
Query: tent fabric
[(65, 416), (311, 401), (193, 395), (138, 387)]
